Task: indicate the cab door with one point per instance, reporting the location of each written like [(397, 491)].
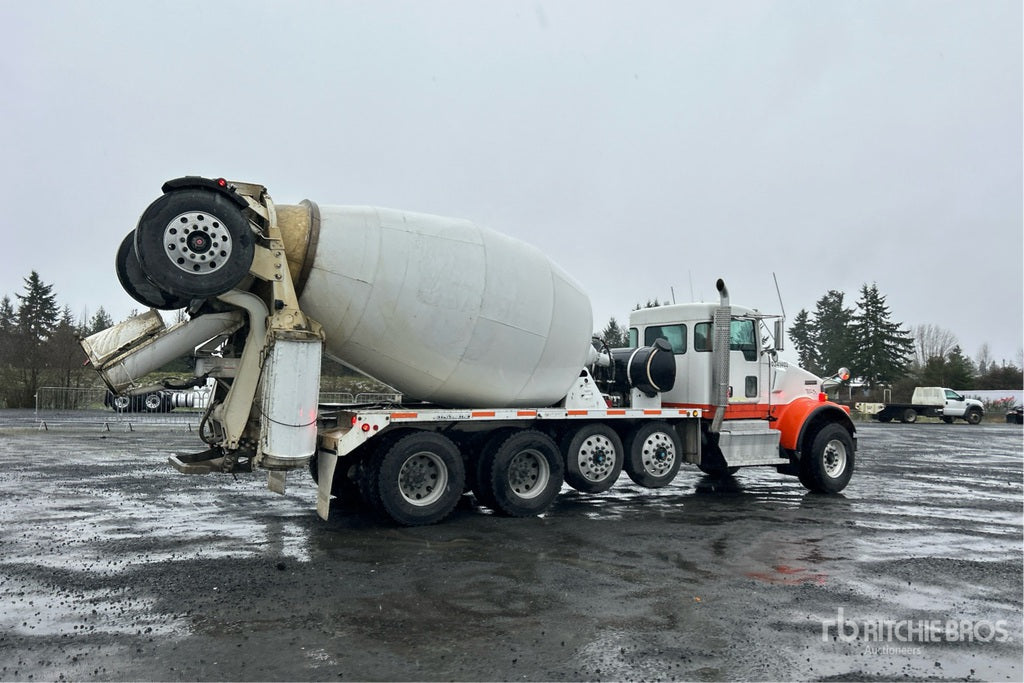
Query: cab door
[(746, 372)]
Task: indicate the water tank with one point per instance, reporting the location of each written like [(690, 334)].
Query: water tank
[(442, 309)]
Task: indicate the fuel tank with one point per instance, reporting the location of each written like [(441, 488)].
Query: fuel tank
[(442, 309)]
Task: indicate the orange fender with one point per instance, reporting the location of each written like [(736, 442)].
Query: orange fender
[(791, 419)]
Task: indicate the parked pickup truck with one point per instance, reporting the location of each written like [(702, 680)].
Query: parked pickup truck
[(938, 402)]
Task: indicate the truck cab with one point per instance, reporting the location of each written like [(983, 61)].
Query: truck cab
[(759, 409)]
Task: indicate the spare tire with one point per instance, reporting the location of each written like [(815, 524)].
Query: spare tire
[(194, 243), (135, 282)]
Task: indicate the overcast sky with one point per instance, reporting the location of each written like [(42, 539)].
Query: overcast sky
[(647, 147)]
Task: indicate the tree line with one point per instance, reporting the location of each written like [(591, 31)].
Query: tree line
[(39, 343), (882, 353)]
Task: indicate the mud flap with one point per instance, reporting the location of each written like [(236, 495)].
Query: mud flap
[(326, 464)]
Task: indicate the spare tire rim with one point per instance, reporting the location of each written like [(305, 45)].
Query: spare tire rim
[(197, 242)]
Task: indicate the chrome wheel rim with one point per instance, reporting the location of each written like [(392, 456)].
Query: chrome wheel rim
[(596, 458), (197, 242), (659, 454)]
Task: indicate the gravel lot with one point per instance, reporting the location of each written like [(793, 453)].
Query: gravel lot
[(116, 567)]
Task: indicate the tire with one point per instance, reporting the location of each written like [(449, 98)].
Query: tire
[(119, 403), (884, 418), (948, 420), (194, 244), (134, 281), (524, 473), (153, 403), (909, 416), (828, 466), (973, 417), (420, 478), (593, 458), (479, 482), (653, 454)]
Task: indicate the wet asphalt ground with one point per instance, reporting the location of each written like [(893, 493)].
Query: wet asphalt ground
[(115, 567)]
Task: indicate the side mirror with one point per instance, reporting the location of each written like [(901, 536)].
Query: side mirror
[(780, 332), (841, 376)]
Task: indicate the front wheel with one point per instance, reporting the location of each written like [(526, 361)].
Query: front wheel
[(973, 417), (653, 454), (828, 466)]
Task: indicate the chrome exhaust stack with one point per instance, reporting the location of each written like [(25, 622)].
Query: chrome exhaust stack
[(722, 321)]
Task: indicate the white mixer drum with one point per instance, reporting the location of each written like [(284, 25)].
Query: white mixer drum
[(444, 310)]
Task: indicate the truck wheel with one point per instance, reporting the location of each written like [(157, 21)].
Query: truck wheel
[(883, 418), (136, 284), (120, 404), (828, 466), (593, 458), (909, 416), (153, 403), (524, 473), (194, 244), (420, 478), (367, 473), (653, 454), (480, 481), (948, 420), (973, 417)]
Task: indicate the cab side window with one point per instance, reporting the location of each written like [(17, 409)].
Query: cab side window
[(702, 337), (742, 337), (675, 335)]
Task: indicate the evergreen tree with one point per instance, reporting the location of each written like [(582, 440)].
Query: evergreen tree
[(37, 310), (36, 320), (883, 349), (804, 338), (836, 343), (615, 335), (955, 371), (66, 356), (99, 322)]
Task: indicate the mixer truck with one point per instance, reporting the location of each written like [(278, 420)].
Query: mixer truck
[(505, 392)]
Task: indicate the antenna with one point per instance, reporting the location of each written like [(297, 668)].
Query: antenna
[(780, 324), (673, 290), (690, 274), (779, 294)]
